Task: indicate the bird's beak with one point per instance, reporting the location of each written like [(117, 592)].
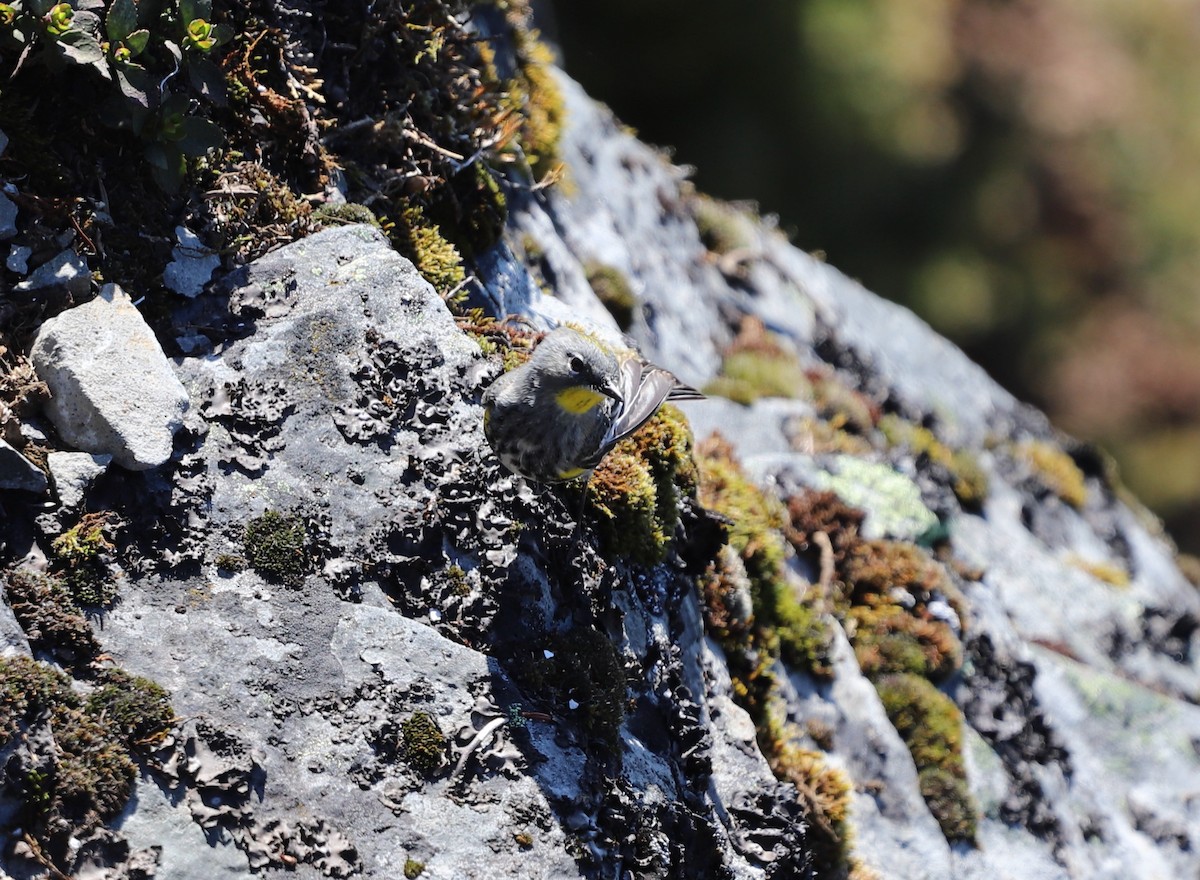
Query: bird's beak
[(609, 388)]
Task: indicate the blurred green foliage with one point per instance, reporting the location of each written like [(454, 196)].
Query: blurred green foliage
[(1022, 174)]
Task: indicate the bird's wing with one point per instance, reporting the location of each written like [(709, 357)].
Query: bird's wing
[(644, 387)]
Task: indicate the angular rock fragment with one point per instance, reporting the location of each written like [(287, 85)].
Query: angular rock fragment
[(74, 472), (18, 472), (112, 389)]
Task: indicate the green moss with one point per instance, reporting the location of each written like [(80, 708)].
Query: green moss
[(421, 240), (79, 559), (423, 743), (231, 562), (968, 478), (635, 493), (888, 639), (931, 726), (723, 228), (614, 292), (535, 95), (1054, 470), (50, 618), (783, 624), (87, 777), (274, 545), (757, 364), (345, 214), (413, 869), (581, 674), (470, 211), (136, 710)]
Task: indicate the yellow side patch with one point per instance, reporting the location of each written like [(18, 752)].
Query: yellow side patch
[(578, 399), (571, 473)]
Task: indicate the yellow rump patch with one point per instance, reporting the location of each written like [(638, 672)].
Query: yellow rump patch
[(578, 399)]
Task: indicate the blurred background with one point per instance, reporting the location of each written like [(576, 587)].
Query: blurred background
[(1024, 174)]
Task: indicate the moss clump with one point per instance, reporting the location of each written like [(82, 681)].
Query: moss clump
[(87, 776), (1054, 470), (581, 674), (875, 568), (135, 709), (826, 790), (723, 227), (413, 869), (757, 364), (231, 562), (50, 618), (421, 240), (968, 479), (534, 94), (822, 512), (614, 292), (931, 726), (345, 214), (274, 544), (422, 743), (81, 560), (635, 493), (888, 638), (783, 624)]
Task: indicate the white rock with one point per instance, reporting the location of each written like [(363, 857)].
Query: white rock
[(74, 472), (66, 269), (192, 264), (112, 389)]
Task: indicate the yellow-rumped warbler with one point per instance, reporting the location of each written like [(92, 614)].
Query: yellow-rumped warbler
[(555, 417)]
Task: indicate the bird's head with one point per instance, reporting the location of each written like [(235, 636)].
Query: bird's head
[(576, 370)]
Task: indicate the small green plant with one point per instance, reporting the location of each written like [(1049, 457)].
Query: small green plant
[(413, 869), (80, 559), (139, 50), (423, 743), (274, 544)]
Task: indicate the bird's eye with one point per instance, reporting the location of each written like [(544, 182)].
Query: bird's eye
[(577, 365)]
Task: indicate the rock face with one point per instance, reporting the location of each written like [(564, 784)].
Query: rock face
[(112, 389), (395, 659)]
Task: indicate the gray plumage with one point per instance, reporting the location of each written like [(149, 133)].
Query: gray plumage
[(535, 435)]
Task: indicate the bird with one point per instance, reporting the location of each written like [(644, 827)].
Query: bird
[(555, 417)]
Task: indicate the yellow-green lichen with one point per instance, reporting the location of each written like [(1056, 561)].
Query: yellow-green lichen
[(613, 290), (274, 544), (931, 726), (413, 869), (423, 744), (1054, 470)]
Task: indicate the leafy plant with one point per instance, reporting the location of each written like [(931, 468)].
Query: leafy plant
[(141, 48)]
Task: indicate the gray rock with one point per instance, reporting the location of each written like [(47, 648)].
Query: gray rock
[(73, 473), (8, 217), (67, 270), (113, 391), (192, 264), (18, 472), (12, 638), (18, 258)]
